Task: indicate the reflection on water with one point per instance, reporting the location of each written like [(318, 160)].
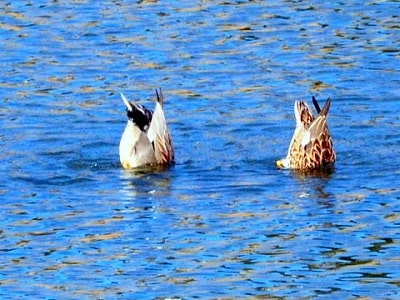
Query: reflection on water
[(223, 222), (148, 180)]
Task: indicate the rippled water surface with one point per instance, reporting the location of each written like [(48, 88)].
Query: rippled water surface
[(223, 222)]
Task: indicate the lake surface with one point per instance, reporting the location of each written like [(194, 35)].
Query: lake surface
[(223, 223)]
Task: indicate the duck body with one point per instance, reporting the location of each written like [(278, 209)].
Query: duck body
[(146, 139), (311, 147)]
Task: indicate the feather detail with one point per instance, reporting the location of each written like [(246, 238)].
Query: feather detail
[(311, 146), (159, 134), (146, 139)]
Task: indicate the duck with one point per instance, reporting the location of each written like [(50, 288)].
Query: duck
[(146, 139), (311, 147)]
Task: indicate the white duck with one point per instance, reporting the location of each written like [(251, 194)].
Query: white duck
[(146, 139)]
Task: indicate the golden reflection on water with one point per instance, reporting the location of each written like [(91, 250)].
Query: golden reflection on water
[(223, 222)]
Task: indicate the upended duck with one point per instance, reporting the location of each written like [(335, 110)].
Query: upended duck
[(311, 148), (146, 139)]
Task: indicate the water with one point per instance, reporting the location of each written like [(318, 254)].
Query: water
[(223, 222)]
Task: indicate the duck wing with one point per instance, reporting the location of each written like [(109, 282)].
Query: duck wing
[(317, 141), (159, 135), (303, 114)]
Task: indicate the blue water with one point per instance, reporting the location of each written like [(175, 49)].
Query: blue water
[(223, 222)]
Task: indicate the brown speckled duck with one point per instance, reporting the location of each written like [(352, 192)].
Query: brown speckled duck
[(146, 139), (311, 148)]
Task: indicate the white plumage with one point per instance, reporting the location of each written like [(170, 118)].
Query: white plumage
[(146, 139)]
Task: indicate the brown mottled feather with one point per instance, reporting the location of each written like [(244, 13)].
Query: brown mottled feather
[(306, 116), (311, 147)]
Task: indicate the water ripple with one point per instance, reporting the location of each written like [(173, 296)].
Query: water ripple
[(223, 222)]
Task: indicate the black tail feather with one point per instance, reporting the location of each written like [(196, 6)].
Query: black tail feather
[(316, 105)]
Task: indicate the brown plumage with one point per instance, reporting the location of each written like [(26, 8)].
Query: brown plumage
[(311, 147)]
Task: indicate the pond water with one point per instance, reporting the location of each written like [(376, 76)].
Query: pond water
[(223, 222)]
